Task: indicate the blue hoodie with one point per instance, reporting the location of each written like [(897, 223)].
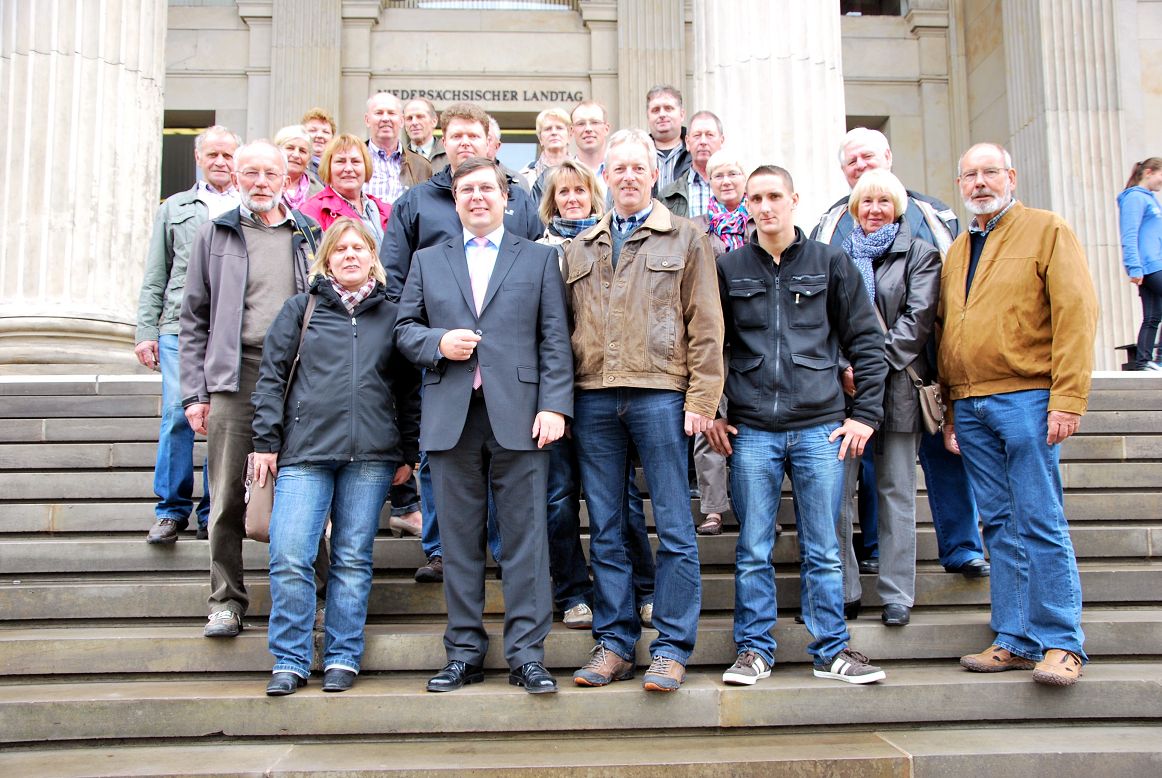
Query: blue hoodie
[(1140, 221)]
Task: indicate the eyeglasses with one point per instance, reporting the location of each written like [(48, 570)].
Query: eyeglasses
[(988, 173), (588, 123), (468, 190), (254, 175), (726, 174)]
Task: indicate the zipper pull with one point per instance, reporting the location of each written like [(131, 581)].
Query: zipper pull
[(354, 328), (796, 298)]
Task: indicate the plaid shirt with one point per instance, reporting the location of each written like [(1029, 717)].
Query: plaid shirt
[(630, 223), (384, 182), (351, 300), (698, 190)]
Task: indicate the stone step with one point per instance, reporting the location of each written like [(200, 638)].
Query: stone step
[(123, 483), (119, 516), (131, 648), (80, 384), (1136, 422), (183, 595), (104, 554), (397, 704), (80, 430), (53, 407), (1063, 751), (94, 456)]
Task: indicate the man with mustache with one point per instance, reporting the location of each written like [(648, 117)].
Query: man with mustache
[(1015, 330)]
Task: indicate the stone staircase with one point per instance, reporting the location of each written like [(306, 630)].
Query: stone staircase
[(105, 671)]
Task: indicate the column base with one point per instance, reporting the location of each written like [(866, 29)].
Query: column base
[(43, 340)]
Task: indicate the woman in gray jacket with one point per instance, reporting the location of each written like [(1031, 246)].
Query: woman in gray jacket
[(901, 275)]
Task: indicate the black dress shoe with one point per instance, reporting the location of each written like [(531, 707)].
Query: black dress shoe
[(338, 679), (973, 568), (869, 566), (896, 615), (454, 675), (282, 684), (534, 677)]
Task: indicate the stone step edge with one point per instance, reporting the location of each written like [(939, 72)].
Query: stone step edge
[(382, 706), (843, 752)]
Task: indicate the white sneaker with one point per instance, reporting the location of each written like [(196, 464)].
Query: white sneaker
[(580, 616), (1153, 366), (747, 670), (850, 666), (646, 614)]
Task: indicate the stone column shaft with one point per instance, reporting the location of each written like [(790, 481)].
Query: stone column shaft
[(779, 95), (1067, 139), (81, 101), (651, 49), (305, 61)]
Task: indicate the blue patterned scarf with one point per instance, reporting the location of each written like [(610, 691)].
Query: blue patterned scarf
[(864, 249), (571, 228), (730, 226)]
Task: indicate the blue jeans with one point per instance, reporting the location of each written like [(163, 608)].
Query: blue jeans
[(173, 473), (757, 466), (353, 494), (950, 499), (606, 422), (405, 498), (869, 529), (571, 583), (430, 536), (1035, 588)]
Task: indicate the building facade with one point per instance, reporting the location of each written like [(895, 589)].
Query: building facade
[(1074, 89)]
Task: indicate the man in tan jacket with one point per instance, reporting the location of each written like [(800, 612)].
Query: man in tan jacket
[(1015, 329), (647, 348)]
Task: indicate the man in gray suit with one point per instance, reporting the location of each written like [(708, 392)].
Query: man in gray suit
[(484, 313)]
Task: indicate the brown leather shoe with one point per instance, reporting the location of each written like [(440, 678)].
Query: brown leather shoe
[(711, 526), (432, 572), (163, 531), (603, 668), (995, 659), (1058, 668), (664, 675)]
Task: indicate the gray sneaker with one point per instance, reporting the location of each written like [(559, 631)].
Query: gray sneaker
[(580, 616), (223, 624), (850, 666), (748, 669)]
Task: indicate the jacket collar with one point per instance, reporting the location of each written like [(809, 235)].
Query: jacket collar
[(659, 220)]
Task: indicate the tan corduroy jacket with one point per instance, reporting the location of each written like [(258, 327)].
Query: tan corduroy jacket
[(1030, 318), (654, 322)]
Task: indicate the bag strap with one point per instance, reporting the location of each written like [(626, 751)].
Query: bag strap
[(912, 374), (311, 300)]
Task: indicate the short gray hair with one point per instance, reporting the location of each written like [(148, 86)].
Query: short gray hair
[(216, 129), (870, 137), (292, 131), (721, 158), (255, 145), (876, 181), (1004, 153), (634, 135)]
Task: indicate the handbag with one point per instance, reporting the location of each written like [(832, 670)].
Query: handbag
[(260, 499), (931, 401)]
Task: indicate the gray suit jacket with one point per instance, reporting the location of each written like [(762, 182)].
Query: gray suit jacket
[(526, 361)]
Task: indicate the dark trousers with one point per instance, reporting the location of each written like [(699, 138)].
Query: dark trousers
[(228, 441), (519, 479), (1151, 293)]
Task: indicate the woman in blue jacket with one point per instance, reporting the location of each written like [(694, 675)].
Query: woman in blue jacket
[(1141, 227), (336, 439)]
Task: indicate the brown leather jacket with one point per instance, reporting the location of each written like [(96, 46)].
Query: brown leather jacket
[(654, 322)]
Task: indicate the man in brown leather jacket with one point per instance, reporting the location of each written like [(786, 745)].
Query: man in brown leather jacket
[(647, 347)]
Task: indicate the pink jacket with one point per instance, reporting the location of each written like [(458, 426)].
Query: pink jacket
[(327, 206)]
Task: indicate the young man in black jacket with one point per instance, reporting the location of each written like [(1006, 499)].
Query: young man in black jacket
[(790, 305)]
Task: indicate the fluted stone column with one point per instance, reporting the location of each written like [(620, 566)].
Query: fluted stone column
[(80, 148), (1065, 120), (651, 50), (772, 71), (305, 62)]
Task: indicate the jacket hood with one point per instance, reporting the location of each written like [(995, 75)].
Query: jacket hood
[(1127, 193)]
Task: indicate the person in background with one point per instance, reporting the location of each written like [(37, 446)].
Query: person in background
[(321, 127), (553, 129), (394, 167), (301, 184), (690, 195), (1140, 221), (344, 170), (419, 120), (901, 277), (664, 116), (324, 464), (158, 310), (569, 206), (590, 131)]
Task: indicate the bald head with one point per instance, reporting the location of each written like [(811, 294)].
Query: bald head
[(384, 120)]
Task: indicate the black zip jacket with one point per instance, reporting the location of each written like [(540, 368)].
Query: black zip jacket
[(785, 326), (354, 397)]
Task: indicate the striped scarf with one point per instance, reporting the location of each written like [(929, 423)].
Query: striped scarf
[(351, 300)]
